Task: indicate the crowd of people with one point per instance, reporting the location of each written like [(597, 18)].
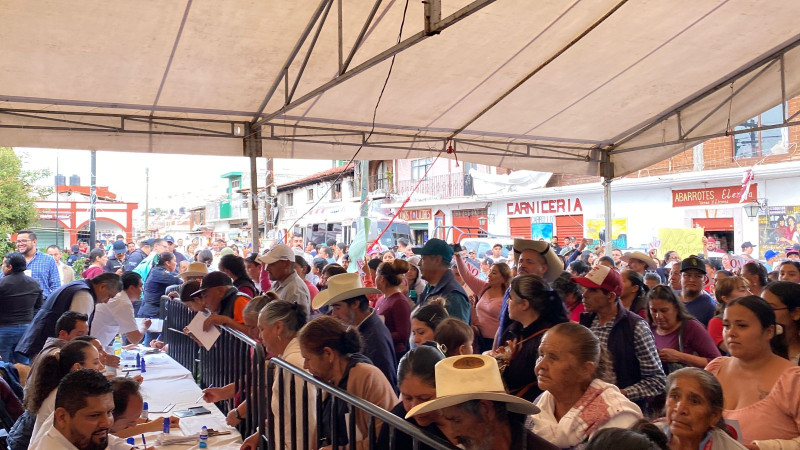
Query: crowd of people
[(498, 352)]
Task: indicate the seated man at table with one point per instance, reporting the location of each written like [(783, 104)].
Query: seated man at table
[(82, 416), (70, 325), (128, 405)]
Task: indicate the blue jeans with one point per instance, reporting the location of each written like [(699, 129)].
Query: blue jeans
[(9, 337)]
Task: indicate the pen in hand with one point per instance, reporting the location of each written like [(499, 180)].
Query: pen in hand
[(201, 395)]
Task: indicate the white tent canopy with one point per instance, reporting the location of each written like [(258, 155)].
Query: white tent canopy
[(599, 87)]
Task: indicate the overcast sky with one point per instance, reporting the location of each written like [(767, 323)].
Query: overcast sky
[(175, 180)]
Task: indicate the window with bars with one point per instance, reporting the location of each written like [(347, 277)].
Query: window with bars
[(310, 192), (290, 199), (336, 191)]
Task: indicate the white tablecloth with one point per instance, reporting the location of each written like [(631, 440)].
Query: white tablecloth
[(166, 381)]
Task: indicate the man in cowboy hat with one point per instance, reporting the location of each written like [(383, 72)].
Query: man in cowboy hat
[(479, 412), (627, 336), (279, 262), (195, 272), (435, 265), (639, 262), (530, 258), (347, 298)]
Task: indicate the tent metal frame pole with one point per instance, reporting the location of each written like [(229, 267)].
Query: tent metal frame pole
[(252, 149), (445, 23), (607, 172)]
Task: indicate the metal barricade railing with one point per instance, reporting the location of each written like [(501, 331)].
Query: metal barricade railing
[(275, 370), (181, 347), (236, 358)]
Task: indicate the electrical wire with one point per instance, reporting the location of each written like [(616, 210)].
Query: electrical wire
[(372, 128)]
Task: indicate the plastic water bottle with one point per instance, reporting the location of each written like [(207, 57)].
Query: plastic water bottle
[(203, 437), (117, 345), (144, 411)]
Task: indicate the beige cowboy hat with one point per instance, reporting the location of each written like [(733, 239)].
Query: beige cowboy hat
[(341, 287), (195, 269), (470, 377), (651, 263), (554, 264)]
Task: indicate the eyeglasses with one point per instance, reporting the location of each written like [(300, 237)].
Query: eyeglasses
[(778, 309), (23, 241)]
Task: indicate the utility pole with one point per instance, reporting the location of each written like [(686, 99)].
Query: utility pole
[(146, 201), (270, 187), (58, 215), (93, 202)]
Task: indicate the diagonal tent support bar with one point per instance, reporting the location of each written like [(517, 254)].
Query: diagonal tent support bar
[(360, 37), (445, 23), (290, 94), (284, 72), (538, 68), (759, 67)]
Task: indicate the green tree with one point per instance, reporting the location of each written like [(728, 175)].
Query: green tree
[(18, 194)]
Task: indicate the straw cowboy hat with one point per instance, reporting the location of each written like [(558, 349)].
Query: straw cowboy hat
[(651, 263), (554, 264), (463, 378), (195, 269), (341, 287)]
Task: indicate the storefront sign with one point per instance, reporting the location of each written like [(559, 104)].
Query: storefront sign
[(555, 206), (410, 215), (724, 195)]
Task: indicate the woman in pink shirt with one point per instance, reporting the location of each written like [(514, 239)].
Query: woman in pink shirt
[(486, 313), (760, 387), (97, 262)]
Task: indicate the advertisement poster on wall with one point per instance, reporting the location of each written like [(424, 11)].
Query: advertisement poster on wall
[(619, 231), (777, 229), (542, 231)]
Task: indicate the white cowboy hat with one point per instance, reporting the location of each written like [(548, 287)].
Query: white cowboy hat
[(471, 377), (554, 264), (651, 263), (195, 269), (341, 287)]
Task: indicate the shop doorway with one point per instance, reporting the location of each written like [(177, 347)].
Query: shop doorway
[(721, 229)]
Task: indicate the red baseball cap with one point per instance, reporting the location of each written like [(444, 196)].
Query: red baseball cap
[(601, 277)]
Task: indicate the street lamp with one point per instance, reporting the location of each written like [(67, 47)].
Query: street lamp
[(752, 209)]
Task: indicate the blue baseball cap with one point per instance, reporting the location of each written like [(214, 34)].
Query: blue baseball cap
[(436, 247), (169, 239), (120, 247), (769, 254)]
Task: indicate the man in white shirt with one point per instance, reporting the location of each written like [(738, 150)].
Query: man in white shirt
[(65, 272), (285, 281), (82, 416), (116, 316)]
